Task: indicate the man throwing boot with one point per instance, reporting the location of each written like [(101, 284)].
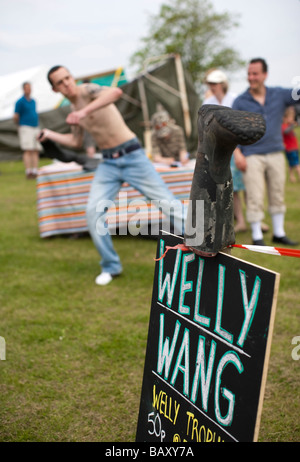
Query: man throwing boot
[(124, 159)]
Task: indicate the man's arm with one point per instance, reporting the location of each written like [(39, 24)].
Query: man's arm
[(183, 156), (73, 139), (289, 128), (240, 160), (16, 118), (102, 98), (162, 160)]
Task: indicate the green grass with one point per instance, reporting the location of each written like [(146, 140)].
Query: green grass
[(75, 352)]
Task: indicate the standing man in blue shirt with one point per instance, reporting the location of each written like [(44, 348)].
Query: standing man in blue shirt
[(263, 162), (27, 119)]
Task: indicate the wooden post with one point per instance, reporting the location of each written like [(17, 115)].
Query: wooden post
[(183, 96), (147, 132)]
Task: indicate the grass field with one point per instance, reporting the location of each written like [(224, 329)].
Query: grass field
[(75, 351)]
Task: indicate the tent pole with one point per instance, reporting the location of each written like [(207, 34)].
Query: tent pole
[(183, 96), (147, 131)]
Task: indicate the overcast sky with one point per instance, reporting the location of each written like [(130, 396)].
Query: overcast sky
[(90, 36)]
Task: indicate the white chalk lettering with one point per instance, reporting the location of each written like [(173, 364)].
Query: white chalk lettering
[(167, 285), (218, 329), (165, 355), (249, 308), (202, 375), (185, 286), (229, 358), (184, 368), (206, 374), (203, 320)]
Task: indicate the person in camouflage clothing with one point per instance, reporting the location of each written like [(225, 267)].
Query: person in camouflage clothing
[(168, 142)]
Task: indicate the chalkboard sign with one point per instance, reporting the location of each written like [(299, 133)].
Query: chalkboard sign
[(208, 347)]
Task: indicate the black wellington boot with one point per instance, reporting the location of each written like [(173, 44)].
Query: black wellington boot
[(220, 130)]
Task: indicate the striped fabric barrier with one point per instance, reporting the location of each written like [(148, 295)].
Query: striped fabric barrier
[(63, 189)]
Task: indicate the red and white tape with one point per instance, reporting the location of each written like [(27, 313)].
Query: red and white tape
[(255, 248), (270, 250)]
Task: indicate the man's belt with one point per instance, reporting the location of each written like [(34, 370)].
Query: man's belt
[(121, 152)]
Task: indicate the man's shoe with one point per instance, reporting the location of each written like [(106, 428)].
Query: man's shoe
[(31, 176), (284, 240), (259, 242), (105, 278)]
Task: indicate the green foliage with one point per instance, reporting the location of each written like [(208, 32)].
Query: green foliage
[(192, 29)]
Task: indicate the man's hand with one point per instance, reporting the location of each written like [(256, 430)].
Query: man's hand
[(240, 160), (184, 157), (43, 135), (16, 118), (74, 117)]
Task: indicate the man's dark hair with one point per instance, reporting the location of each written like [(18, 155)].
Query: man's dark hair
[(262, 61), (53, 69)]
